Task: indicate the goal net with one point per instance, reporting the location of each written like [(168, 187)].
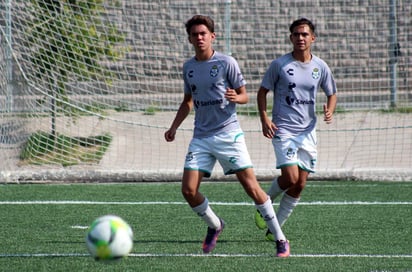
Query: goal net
[(88, 87)]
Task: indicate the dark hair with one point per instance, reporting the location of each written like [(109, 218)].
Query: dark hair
[(302, 21), (200, 20)]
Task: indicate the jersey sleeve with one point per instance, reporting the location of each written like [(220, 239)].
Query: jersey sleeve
[(234, 75), (328, 83), (186, 85), (271, 76)]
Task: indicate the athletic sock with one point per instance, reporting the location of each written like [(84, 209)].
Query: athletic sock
[(207, 215), (286, 206), (274, 189), (268, 213)]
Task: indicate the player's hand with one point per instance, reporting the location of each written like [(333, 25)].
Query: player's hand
[(231, 95), (327, 114), (170, 135), (268, 128)]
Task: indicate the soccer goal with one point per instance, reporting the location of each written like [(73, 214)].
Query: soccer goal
[(88, 87)]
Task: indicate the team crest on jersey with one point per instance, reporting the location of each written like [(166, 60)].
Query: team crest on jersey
[(214, 71), (315, 73)]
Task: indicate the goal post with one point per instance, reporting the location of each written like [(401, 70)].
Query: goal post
[(88, 87)]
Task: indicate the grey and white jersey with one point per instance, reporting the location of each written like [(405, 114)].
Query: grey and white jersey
[(207, 81), (295, 85)]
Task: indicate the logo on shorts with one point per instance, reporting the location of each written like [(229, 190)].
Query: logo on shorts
[(290, 153), (232, 160), (313, 163), (189, 156)]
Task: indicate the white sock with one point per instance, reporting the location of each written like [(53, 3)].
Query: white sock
[(268, 213), (286, 206), (207, 215), (274, 190)]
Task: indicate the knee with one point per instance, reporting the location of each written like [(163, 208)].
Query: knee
[(251, 190), (297, 188), (255, 192), (292, 178), (188, 193)]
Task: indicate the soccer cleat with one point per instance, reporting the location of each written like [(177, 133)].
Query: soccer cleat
[(270, 236), (282, 248), (211, 237), (259, 221)]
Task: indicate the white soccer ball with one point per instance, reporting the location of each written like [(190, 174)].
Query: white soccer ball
[(109, 237)]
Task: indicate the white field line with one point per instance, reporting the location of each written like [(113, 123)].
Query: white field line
[(81, 202), (142, 255), (361, 185)]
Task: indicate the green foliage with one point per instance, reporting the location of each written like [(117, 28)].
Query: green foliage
[(45, 148), (68, 41), (398, 110), (151, 110), (71, 38)]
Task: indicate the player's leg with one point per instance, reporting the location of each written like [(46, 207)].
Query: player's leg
[(275, 190), (190, 187), (291, 198), (264, 205), (200, 205), (287, 160), (234, 157), (294, 177), (288, 179), (199, 158)]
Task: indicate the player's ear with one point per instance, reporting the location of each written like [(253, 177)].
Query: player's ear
[(313, 37), (213, 35)]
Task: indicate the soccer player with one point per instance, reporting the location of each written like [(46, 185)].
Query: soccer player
[(213, 85), (294, 79)]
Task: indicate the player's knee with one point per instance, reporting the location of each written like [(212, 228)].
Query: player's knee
[(292, 178), (256, 193), (296, 189), (188, 193)]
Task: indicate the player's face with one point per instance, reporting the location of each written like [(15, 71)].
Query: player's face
[(201, 37), (302, 38)]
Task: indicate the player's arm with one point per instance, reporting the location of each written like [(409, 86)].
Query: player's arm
[(329, 108), (238, 95), (268, 127), (183, 111)]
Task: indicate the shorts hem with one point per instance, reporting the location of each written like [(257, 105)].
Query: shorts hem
[(231, 172), (300, 166), (287, 164), (206, 173), (306, 169)]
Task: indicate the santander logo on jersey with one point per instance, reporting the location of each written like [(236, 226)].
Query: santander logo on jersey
[(296, 101)]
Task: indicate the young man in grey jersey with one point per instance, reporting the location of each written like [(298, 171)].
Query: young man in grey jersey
[(294, 79), (213, 85)]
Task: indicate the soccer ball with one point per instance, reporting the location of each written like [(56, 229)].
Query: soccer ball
[(109, 237)]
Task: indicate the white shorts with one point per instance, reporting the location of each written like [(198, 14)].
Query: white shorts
[(296, 150), (229, 148)]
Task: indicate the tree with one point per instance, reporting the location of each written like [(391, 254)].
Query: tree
[(68, 41)]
